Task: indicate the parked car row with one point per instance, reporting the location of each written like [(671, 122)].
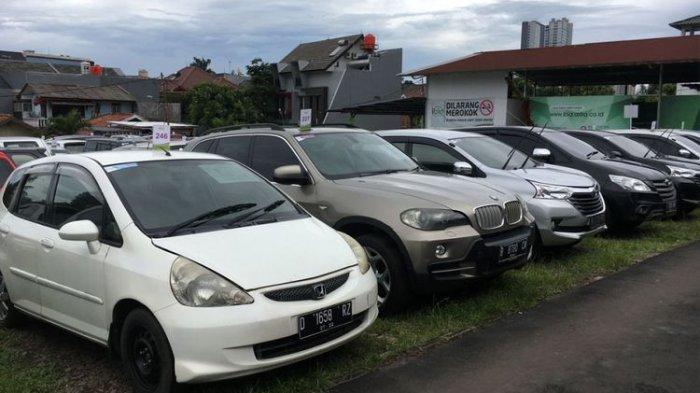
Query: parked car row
[(261, 246)]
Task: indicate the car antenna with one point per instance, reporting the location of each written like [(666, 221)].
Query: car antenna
[(512, 151), (527, 155), (163, 149)]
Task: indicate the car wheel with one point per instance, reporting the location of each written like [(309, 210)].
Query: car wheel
[(9, 316), (393, 292), (146, 354)]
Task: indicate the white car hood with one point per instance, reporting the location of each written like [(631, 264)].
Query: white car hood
[(268, 254), (556, 175)]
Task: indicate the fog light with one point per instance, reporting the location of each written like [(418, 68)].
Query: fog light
[(440, 251)]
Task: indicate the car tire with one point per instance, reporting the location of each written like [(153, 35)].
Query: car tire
[(146, 355), (9, 316), (394, 293)]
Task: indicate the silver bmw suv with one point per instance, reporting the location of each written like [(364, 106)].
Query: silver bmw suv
[(422, 230)]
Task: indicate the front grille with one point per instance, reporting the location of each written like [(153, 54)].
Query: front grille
[(665, 189), (489, 216), (293, 344), (588, 203), (513, 212), (306, 292)]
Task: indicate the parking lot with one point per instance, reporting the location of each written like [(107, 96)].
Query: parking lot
[(41, 358)]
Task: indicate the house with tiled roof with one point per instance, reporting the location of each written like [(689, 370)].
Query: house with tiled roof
[(190, 77), (336, 73)]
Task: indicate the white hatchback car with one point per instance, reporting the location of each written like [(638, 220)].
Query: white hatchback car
[(190, 266)]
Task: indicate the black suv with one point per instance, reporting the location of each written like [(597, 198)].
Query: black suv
[(632, 192), (684, 174), (666, 143)]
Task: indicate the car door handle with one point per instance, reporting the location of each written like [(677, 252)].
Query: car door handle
[(46, 243)]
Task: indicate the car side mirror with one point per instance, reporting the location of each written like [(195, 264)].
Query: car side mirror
[(81, 231), (685, 153), (616, 154), (462, 168), (290, 174), (541, 154)]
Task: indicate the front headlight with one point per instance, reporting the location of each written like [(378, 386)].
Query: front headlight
[(360, 253), (681, 172), (433, 219), (630, 183), (196, 286), (548, 191)]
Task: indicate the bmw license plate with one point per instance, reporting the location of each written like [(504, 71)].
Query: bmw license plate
[(596, 221), (513, 249), (323, 320)]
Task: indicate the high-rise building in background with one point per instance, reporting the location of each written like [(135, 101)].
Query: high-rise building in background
[(558, 32), (532, 35)]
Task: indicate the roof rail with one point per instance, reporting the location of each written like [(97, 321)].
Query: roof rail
[(236, 127)]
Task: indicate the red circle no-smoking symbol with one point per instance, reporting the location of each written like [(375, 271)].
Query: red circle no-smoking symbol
[(486, 107)]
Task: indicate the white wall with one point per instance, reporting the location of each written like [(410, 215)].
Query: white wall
[(473, 85)]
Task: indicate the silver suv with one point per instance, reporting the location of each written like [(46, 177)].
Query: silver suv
[(565, 202), (422, 230)]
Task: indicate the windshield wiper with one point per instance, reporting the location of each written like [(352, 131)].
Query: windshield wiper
[(385, 172), (264, 210), (206, 217)]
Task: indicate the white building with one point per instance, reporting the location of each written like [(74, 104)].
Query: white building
[(558, 32)]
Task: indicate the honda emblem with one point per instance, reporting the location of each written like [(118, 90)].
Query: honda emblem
[(319, 291)]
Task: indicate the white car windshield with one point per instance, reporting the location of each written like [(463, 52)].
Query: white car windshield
[(177, 196), (493, 153), (352, 154)]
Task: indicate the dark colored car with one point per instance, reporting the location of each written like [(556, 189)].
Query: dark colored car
[(684, 174), (632, 192), (103, 144), (666, 143)]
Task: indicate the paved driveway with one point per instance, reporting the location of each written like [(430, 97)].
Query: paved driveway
[(637, 331)]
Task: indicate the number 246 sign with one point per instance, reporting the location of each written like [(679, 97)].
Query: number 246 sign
[(161, 135)]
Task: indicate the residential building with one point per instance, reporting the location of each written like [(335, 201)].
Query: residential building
[(38, 102), (190, 77), (687, 26), (532, 35), (326, 76), (558, 32)]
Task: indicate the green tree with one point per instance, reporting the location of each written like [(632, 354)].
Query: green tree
[(68, 124), (201, 63), (261, 90), (210, 105)]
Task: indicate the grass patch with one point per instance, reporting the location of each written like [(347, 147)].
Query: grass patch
[(429, 321)]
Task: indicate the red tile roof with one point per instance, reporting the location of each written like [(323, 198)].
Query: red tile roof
[(614, 53), (103, 121), (189, 77)]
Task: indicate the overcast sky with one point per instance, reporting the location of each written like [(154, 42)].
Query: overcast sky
[(163, 35)]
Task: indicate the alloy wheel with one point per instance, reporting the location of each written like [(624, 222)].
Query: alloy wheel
[(145, 359), (381, 271), (4, 299)]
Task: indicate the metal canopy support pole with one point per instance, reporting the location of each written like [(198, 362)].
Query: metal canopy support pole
[(525, 88), (658, 104)]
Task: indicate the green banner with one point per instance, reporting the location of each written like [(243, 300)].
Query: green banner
[(584, 112), (680, 112)]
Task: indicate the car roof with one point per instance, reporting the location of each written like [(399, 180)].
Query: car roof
[(438, 134), (282, 131), (106, 158)]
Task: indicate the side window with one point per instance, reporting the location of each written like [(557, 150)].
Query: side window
[(33, 198), (11, 187), (403, 146), (235, 147), (598, 143), (204, 146), (433, 157), (524, 144), (77, 198), (21, 158), (668, 147), (269, 153)]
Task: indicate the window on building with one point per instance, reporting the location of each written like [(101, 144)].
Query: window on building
[(116, 107)]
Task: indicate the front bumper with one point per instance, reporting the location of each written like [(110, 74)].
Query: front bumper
[(559, 223), (633, 208), (217, 343), (688, 192)]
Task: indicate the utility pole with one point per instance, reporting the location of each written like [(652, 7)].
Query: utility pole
[(661, 87)]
